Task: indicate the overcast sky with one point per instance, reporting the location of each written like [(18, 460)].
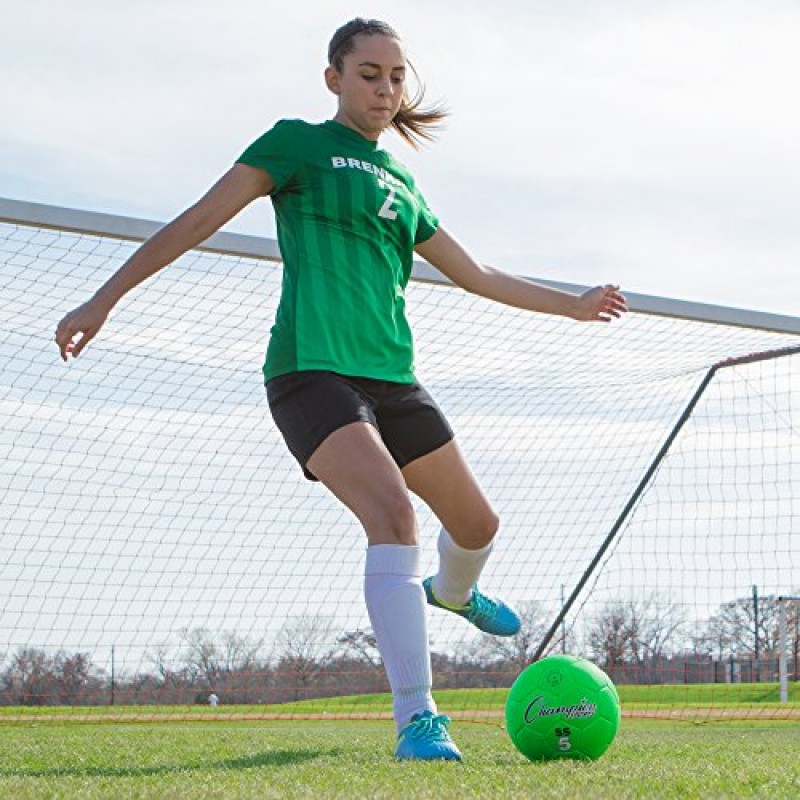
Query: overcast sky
[(654, 144)]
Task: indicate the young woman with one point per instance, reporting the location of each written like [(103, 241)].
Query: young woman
[(339, 366)]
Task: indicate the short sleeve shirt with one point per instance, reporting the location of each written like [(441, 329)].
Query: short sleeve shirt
[(348, 217)]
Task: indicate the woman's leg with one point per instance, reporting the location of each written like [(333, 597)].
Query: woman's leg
[(355, 465), (444, 481)]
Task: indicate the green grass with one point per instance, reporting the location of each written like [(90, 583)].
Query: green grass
[(649, 759), (708, 694), (700, 696), (43, 757)]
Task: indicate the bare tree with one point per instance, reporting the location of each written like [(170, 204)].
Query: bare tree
[(635, 631), (608, 635), (29, 677), (202, 656), (73, 675), (306, 648), (657, 626), (239, 653), (733, 628), (161, 659), (363, 644), (210, 660)]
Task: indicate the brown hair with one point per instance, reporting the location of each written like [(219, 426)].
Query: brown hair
[(412, 122)]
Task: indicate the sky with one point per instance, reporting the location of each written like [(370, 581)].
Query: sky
[(651, 144), (656, 145)]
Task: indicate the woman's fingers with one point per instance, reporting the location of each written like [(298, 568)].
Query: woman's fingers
[(77, 329)]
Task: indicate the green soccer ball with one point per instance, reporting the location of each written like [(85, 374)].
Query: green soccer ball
[(562, 707)]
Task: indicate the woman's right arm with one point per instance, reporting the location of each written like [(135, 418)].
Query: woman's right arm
[(227, 197)]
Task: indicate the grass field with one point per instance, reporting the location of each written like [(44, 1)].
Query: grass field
[(354, 759), (247, 752), (702, 701)]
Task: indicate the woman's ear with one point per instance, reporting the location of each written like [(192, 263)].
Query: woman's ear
[(333, 80)]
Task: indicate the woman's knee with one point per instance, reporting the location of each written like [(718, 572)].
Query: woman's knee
[(477, 532), (391, 519), (491, 524)]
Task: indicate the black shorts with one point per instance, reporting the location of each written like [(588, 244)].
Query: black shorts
[(309, 406)]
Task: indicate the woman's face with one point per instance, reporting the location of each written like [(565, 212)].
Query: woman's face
[(371, 84)]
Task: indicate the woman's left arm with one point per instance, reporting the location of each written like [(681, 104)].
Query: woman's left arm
[(601, 304)]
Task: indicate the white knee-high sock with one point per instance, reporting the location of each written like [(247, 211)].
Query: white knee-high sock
[(459, 570), (397, 607)]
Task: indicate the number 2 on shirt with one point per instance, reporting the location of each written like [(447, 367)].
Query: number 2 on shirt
[(387, 212)]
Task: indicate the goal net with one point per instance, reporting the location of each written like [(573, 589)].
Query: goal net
[(158, 544)]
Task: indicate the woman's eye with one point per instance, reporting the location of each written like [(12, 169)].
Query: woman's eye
[(395, 79)]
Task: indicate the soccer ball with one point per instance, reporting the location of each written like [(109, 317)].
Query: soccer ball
[(562, 707)]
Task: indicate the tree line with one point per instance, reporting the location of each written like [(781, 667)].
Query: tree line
[(647, 640)]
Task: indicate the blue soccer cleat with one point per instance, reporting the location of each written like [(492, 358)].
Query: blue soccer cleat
[(426, 738), (486, 614)]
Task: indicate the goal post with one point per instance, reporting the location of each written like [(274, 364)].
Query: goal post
[(641, 488), (158, 544), (785, 604)]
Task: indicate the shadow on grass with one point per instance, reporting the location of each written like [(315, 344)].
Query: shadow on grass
[(273, 758)]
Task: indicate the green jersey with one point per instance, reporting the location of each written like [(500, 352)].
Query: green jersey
[(348, 216)]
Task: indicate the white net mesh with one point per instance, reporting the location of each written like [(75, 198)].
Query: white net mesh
[(151, 511)]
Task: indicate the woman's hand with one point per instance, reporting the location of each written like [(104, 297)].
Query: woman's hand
[(601, 304), (79, 327)]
